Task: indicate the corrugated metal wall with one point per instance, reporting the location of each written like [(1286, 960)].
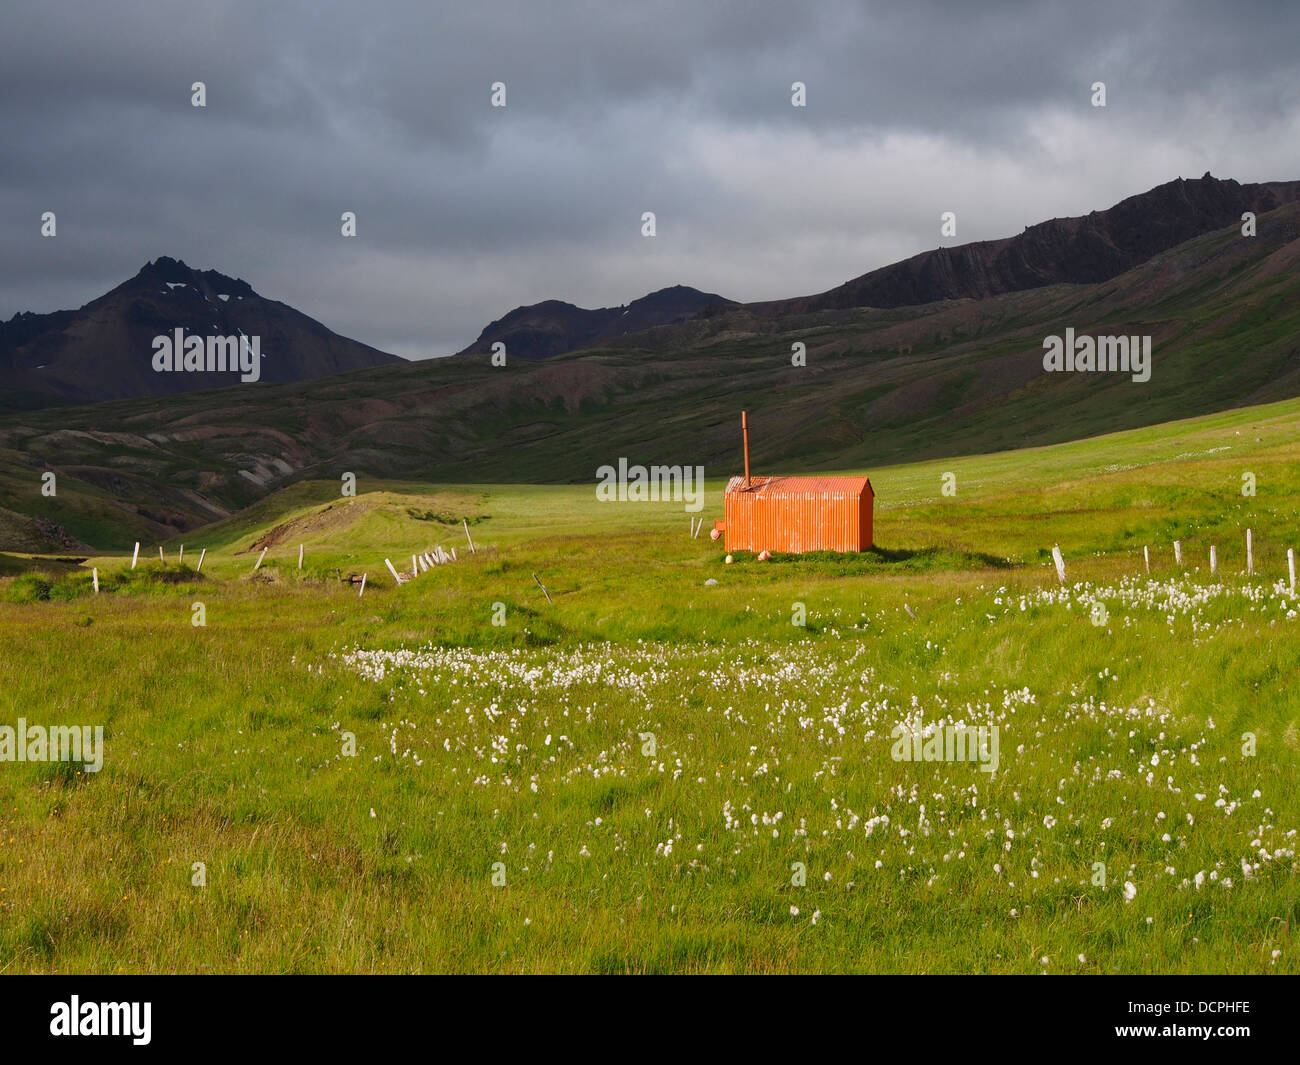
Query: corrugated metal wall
[(794, 514)]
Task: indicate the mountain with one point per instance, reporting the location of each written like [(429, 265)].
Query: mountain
[(881, 386), (104, 350), (1081, 251), (552, 327)]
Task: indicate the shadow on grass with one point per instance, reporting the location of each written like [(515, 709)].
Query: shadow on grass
[(879, 559)]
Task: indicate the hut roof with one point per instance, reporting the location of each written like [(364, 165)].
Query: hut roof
[(777, 487)]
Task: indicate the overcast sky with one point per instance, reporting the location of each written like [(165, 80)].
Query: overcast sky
[(683, 108)]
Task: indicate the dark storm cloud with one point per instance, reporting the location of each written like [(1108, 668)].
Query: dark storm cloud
[(682, 108)]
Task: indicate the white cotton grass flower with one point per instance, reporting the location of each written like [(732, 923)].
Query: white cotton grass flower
[(794, 911), (1130, 891)]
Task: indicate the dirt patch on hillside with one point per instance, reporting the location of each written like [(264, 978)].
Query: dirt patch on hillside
[(331, 518)]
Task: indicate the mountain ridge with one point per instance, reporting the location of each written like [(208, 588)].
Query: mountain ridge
[(553, 327), (1079, 249), (101, 350)]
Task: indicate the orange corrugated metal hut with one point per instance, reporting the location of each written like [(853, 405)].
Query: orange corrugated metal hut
[(794, 514)]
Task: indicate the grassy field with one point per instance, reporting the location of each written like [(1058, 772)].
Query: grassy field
[(655, 774)]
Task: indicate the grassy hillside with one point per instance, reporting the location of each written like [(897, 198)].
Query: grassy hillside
[(1113, 493), (1122, 702)]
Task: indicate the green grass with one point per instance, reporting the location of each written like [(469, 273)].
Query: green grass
[(526, 743)]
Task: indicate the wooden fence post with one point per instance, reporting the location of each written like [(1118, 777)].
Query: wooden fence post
[(543, 588)]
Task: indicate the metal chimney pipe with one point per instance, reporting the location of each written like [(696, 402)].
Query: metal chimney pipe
[(744, 429)]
